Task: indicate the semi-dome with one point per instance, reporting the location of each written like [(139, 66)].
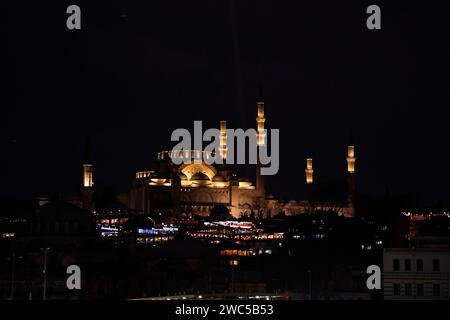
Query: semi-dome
[(199, 176), (200, 179)]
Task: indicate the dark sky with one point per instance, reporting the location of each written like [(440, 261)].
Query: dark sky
[(138, 70)]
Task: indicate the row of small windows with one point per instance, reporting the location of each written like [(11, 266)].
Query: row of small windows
[(186, 154), (419, 265), (407, 290), (143, 174)]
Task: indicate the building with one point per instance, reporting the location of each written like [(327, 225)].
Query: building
[(196, 188), (418, 273)]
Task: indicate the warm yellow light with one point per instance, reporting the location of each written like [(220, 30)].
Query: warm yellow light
[(245, 184), (234, 263), (260, 109), (351, 151), (260, 136), (186, 183), (351, 159), (158, 181), (223, 139), (143, 174), (87, 175), (309, 163), (221, 184), (190, 169), (8, 235), (200, 183), (309, 171)]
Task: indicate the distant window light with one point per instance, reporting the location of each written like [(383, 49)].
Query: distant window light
[(8, 235)]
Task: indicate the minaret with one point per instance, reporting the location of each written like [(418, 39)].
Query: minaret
[(309, 178), (309, 171), (87, 175), (351, 188), (260, 141), (260, 136), (223, 149), (87, 187), (223, 140)]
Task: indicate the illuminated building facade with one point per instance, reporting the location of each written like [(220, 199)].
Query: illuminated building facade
[(196, 188)]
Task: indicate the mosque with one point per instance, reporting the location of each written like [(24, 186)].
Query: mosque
[(197, 188)]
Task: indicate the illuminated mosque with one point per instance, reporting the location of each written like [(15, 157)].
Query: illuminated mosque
[(197, 188)]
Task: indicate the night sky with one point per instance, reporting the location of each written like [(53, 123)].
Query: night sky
[(138, 70)]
